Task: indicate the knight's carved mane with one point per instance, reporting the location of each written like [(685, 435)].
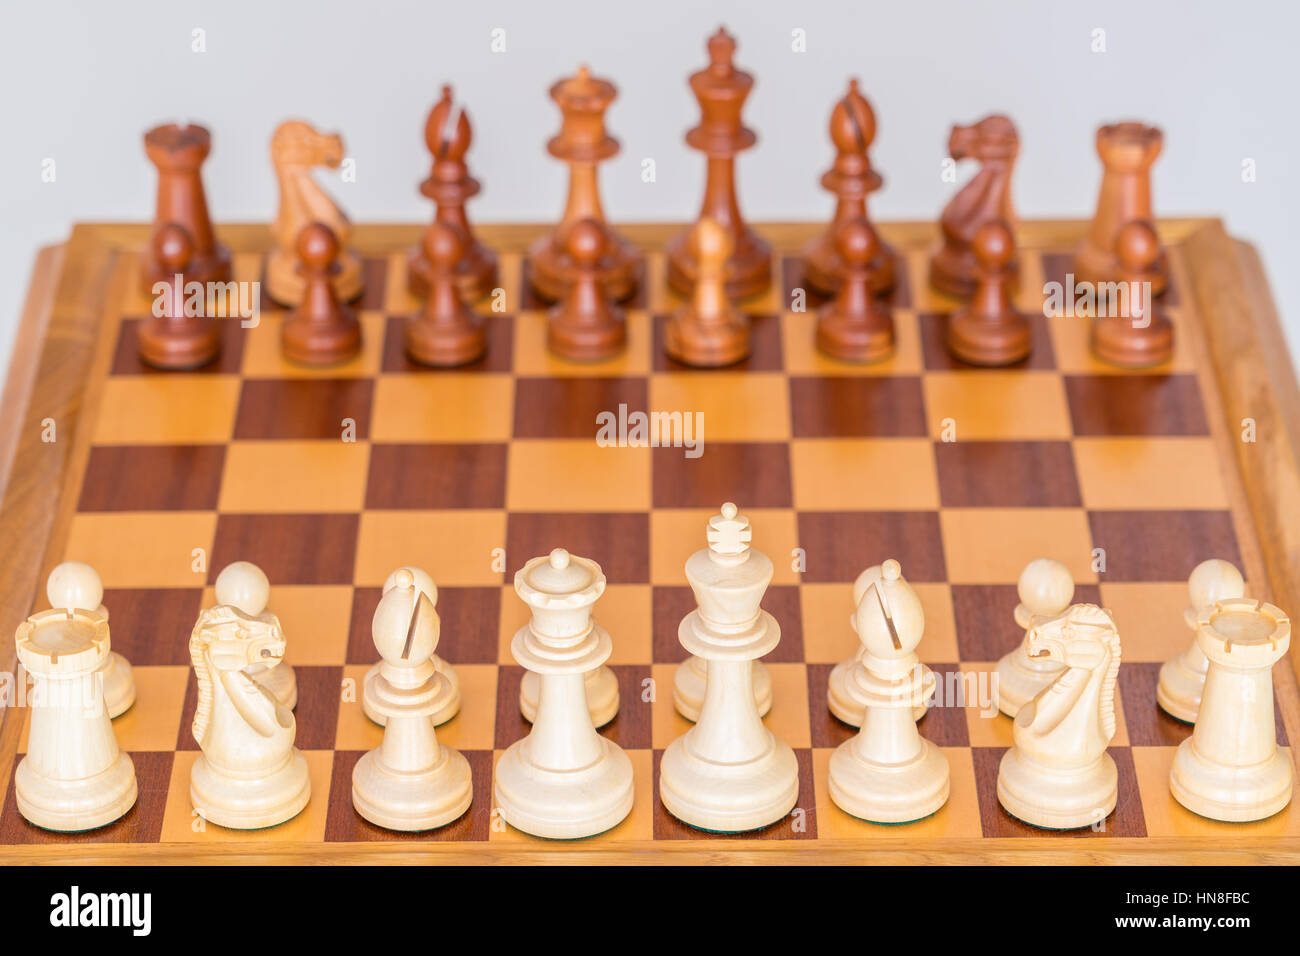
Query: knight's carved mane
[(1092, 616)]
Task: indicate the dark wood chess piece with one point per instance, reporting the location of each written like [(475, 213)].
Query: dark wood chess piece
[(989, 330), (1133, 330), (708, 331), (583, 143), (178, 152), (721, 90), (992, 141), (321, 330), (856, 326), (851, 179), (585, 325), (446, 332), (170, 338), (1127, 152), (450, 185)]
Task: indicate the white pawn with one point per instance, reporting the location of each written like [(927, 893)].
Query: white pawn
[(1231, 768), (1058, 774), (75, 584), (1046, 589), (729, 773), (449, 696), (73, 777), (843, 694), (244, 585), (410, 782), (889, 773), (1182, 679), (563, 780)]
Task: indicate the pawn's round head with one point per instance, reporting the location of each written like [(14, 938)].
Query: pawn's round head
[(405, 627), (889, 619), (443, 244), (994, 245), (423, 581), (317, 245), (173, 246), (585, 242), (243, 585), (856, 242), (1046, 587), (1213, 581), (74, 585), (1137, 246)]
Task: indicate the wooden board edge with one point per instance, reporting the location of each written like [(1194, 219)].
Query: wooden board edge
[(1258, 386)]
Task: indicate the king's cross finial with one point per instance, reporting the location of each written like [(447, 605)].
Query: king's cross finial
[(729, 534)]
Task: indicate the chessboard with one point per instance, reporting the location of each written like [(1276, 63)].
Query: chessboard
[(329, 479)]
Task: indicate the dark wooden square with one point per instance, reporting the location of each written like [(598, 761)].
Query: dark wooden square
[(290, 548), (755, 473), (437, 476), (1126, 820), (840, 544), (1161, 545), (985, 617), (374, 277), (567, 407), (1148, 725), (152, 478), (1135, 405), (618, 542), (875, 406), (303, 408), (1007, 474), (344, 825), (151, 626)]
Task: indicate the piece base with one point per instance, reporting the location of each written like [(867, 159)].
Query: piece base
[(306, 344), (250, 804), (446, 348), (1230, 794), (847, 341), (728, 798), (889, 794), (70, 806), (1057, 800), (412, 802), (564, 806), (712, 346), (1115, 341), (989, 343)]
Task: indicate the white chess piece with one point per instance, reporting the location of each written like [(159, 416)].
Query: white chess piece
[(250, 775), (729, 773), (1182, 679), (1230, 768), (449, 696), (1058, 774), (410, 782), (889, 773), (563, 780), (73, 777), (75, 584), (601, 688), (843, 694), (1046, 589), (244, 585)]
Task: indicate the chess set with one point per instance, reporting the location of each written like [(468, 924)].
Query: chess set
[(915, 561)]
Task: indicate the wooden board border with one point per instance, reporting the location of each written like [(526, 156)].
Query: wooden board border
[(49, 375)]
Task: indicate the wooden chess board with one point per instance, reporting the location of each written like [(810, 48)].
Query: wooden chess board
[(469, 473)]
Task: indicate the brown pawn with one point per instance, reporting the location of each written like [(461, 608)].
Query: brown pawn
[(851, 179), (585, 325), (856, 326), (169, 338), (1134, 332), (447, 332), (178, 153), (989, 330), (449, 185), (708, 331), (321, 330)]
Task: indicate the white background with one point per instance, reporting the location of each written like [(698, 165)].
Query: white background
[(82, 81)]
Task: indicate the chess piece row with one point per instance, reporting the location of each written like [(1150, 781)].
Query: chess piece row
[(586, 267)]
